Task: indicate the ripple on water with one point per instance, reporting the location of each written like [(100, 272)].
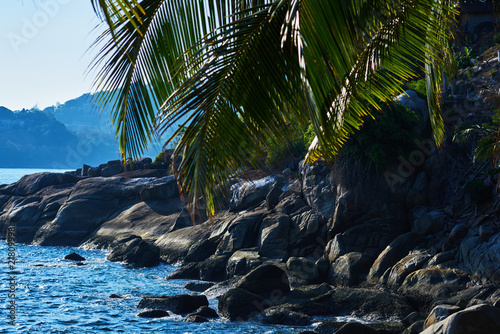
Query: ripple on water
[(59, 297)]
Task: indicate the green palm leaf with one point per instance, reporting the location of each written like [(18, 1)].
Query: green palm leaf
[(238, 72)]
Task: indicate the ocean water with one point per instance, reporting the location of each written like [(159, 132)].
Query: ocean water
[(53, 295), (12, 175)]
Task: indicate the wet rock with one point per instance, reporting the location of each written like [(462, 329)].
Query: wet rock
[(214, 268), (74, 257), (153, 314), (197, 286), (115, 296), (180, 304), (135, 251), (195, 319), (240, 304), (187, 271), (176, 245), (280, 317), (206, 312)]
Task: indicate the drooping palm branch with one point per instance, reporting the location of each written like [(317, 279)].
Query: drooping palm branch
[(238, 71)]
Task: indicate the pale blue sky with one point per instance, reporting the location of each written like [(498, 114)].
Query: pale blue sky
[(43, 51)]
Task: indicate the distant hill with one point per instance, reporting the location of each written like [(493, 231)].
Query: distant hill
[(63, 136), (31, 138)]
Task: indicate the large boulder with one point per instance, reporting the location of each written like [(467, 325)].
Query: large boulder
[(410, 263), (273, 239), (250, 193), (174, 246), (302, 271), (268, 281), (396, 250), (429, 223), (242, 232), (319, 188), (439, 313), (239, 304), (482, 257), (435, 282), (479, 319), (30, 184), (180, 304), (350, 269), (134, 251), (242, 262)]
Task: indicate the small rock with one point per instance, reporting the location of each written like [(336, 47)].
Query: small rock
[(413, 317), (180, 304), (153, 314), (79, 264), (74, 257), (205, 312), (485, 233), (197, 286), (115, 296), (288, 318), (195, 319)]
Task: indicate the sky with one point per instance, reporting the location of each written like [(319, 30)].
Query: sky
[(44, 51)]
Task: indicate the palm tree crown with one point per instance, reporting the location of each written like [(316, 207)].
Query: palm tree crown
[(236, 72)]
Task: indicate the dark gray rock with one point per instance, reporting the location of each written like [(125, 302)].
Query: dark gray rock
[(188, 271), (486, 232), (301, 271), (242, 232), (479, 319), (429, 223), (392, 254), (180, 304), (195, 318), (30, 184), (350, 269), (458, 232), (242, 262), (267, 280), (135, 251), (273, 239), (153, 314), (279, 317), (214, 268), (206, 312), (74, 257), (356, 328), (482, 258), (239, 305), (272, 198), (250, 193), (319, 188), (439, 313), (197, 286)]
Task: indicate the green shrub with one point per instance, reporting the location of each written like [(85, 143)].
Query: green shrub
[(160, 159), (463, 59), (391, 134), (419, 86)]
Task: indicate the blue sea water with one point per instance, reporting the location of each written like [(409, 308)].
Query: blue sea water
[(11, 175), (54, 295)]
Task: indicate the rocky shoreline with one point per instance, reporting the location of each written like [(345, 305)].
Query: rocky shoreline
[(315, 241)]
